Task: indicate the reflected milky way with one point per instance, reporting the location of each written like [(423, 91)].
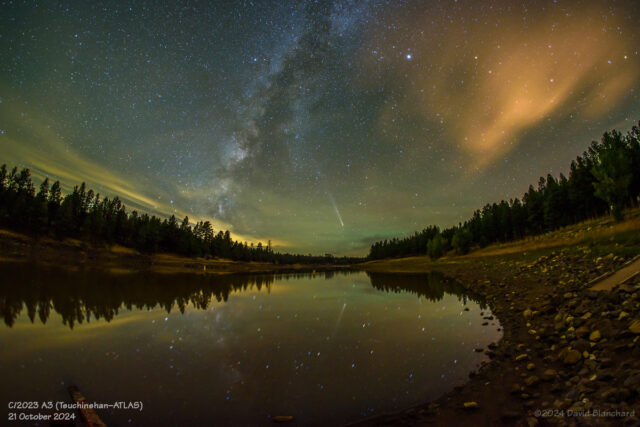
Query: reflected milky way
[(240, 349)]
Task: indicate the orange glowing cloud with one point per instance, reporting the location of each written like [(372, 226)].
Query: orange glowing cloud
[(489, 75)]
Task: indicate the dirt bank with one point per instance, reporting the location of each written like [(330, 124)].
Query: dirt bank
[(117, 259)]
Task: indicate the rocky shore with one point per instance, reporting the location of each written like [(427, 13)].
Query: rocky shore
[(569, 355)]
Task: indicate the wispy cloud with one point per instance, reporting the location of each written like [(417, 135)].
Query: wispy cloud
[(488, 80)]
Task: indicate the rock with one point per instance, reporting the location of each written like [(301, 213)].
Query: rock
[(604, 375), (471, 405), (595, 336), (581, 345), (632, 381), (532, 381), (531, 366), (549, 374), (610, 394), (635, 327), (606, 362), (582, 331), (590, 364), (528, 314), (627, 288), (572, 394), (584, 389), (543, 331), (558, 325), (572, 357)]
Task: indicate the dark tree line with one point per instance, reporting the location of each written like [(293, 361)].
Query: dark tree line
[(84, 214), (605, 178)]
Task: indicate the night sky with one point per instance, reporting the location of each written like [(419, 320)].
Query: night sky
[(322, 126)]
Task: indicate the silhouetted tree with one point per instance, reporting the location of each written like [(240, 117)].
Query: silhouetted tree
[(461, 241), (612, 170), (434, 247)]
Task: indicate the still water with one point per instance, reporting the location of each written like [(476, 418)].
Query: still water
[(236, 350)]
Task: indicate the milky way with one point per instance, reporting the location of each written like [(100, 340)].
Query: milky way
[(321, 126)]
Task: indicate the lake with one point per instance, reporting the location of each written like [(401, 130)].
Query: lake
[(326, 348)]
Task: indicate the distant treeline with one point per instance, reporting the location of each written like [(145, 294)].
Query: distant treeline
[(606, 178), (84, 214)]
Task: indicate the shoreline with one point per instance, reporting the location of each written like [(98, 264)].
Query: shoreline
[(74, 254), (561, 358)]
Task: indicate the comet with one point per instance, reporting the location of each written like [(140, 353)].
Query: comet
[(335, 208)]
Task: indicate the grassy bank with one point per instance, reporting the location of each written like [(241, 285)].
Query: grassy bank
[(594, 238)]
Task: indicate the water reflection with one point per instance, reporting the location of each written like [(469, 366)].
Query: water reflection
[(327, 348), (82, 296), (432, 286)]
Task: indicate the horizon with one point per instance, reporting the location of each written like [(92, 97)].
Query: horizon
[(321, 127)]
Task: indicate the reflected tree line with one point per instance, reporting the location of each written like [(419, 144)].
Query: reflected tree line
[(82, 213), (605, 178), (82, 296), (432, 286)]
